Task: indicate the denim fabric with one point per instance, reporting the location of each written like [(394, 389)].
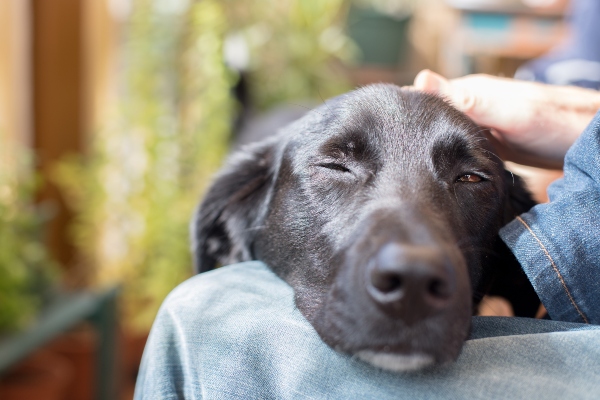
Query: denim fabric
[(235, 333), (558, 243)]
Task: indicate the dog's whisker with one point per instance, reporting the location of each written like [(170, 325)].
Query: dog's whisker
[(492, 153), (254, 228), (309, 109), (339, 123), (305, 107), (455, 195)]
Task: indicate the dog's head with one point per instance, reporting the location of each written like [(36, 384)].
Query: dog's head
[(381, 208)]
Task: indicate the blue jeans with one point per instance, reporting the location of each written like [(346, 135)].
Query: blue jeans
[(236, 333), (558, 243)]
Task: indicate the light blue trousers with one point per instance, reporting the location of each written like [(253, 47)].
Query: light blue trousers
[(235, 333)]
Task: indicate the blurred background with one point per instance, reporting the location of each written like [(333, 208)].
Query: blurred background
[(114, 114)]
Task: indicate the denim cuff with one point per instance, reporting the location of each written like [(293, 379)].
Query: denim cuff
[(558, 243), (542, 262)]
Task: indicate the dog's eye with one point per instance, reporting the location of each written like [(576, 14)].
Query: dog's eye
[(470, 178), (335, 167)]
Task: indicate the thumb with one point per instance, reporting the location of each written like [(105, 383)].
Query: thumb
[(430, 82), (458, 94)]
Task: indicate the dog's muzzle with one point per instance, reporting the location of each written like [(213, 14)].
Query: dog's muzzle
[(401, 298)]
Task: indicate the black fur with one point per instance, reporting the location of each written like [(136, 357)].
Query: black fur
[(378, 166)]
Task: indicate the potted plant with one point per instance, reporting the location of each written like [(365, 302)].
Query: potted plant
[(26, 271), (27, 277)]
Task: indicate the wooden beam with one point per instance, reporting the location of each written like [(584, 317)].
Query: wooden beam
[(58, 104), (15, 81), (100, 33)]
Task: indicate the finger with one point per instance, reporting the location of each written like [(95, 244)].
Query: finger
[(458, 91)]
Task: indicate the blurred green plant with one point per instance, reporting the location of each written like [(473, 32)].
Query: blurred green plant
[(27, 273), (395, 8), (135, 191), (298, 48)]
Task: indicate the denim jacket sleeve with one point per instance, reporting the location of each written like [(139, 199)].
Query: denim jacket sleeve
[(558, 243)]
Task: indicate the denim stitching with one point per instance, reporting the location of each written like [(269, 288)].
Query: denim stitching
[(562, 281)]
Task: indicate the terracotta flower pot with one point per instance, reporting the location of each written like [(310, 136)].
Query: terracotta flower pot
[(132, 347), (44, 375), (79, 347)]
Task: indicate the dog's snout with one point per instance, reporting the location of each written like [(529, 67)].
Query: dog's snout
[(410, 282)]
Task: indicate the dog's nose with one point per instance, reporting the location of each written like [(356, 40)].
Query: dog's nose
[(410, 282)]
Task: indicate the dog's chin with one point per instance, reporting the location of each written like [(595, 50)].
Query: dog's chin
[(396, 362)]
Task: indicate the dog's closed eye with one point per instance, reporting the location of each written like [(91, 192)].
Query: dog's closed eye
[(334, 166)]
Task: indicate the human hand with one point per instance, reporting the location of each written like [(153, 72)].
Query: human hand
[(531, 123)]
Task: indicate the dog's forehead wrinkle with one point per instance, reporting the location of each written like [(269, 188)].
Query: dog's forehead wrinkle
[(400, 122), (392, 120), (373, 108)]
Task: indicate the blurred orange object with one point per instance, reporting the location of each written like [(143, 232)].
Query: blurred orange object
[(44, 375), (79, 347)]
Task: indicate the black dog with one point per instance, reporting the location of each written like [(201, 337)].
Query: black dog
[(381, 208)]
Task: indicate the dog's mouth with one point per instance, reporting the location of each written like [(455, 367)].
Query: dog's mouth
[(396, 362), (399, 294), (366, 333)]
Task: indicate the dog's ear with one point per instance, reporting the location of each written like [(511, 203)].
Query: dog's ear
[(519, 200), (223, 227), (510, 281)]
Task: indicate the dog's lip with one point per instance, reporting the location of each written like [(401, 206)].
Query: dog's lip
[(396, 362)]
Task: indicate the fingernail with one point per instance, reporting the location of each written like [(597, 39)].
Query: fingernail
[(431, 82)]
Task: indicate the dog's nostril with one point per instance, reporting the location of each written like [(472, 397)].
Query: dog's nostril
[(386, 282), (438, 289), (410, 282)]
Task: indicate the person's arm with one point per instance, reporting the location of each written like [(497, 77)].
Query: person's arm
[(558, 243)]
